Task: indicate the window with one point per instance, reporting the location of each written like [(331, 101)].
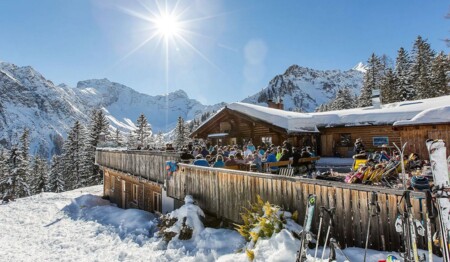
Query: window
[(345, 140), (266, 139), (380, 140), (135, 193)]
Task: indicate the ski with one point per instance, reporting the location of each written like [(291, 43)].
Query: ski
[(306, 232), (318, 231), (438, 160), (412, 228), (335, 246), (429, 214)]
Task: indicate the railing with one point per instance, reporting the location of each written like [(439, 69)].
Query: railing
[(147, 164)]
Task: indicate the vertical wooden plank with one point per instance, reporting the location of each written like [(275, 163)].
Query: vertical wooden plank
[(340, 217), (384, 222), (331, 194), (356, 218), (349, 234), (392, 205)]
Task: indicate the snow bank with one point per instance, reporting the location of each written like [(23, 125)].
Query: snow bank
[(124, 222)]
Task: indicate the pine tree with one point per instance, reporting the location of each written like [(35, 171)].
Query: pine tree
[(421, 68), (17, 174), (39, 171), (98, 126), (439, 77), (387, 88), (4, 169), (55, 179), (143, 130), (118, 138), (402, 79), (181, 134), (372, 80), (73, 158), (343, 100)]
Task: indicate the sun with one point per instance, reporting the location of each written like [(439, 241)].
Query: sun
[(167, 25)]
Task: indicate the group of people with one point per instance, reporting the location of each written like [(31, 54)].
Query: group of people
[(249, 154)]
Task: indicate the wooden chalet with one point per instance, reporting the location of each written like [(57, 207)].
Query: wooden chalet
[(330, 133), (231, 126)]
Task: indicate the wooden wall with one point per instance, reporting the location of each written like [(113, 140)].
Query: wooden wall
[(145, 193), (226, 192), (416, 137), (330, 138)]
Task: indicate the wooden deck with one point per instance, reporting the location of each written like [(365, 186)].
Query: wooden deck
[(225, 192)]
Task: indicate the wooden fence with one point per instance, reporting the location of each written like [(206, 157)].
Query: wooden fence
[(226, 192), (147, 164)]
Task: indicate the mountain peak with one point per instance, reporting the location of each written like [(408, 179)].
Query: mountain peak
[(360, 67)]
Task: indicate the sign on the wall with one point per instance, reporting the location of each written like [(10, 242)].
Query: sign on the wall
[(380, 140)]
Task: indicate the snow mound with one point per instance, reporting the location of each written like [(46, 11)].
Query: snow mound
[(124, 222)]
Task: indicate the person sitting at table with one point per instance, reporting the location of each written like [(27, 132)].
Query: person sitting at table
[(200, 161), (231, 161), (257, 162), (219, 161), (186, 157), (239, 158), (279, 153), (247, 152), (271, 158), (285, 155)]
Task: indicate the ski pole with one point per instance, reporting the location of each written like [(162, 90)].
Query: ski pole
[(428, 213), (330, 212), (373, 212), (318, 232)]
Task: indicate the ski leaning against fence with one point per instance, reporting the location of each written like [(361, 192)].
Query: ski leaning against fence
[(306, 236), (441, 189)]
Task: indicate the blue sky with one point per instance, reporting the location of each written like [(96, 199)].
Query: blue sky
[(229, 49)]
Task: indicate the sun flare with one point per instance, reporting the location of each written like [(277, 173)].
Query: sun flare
[(167, 25)]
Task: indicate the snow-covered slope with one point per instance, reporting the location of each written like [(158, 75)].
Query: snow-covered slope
[(81, 226), (29, 100), (304, 89)]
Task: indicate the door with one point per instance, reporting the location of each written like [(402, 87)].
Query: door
[(124, 194), (156, 201), (326, 142)]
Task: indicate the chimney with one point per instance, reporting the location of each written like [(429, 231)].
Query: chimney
[(376, 98), (276, 105)]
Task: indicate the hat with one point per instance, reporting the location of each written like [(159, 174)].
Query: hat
[(420, 183)]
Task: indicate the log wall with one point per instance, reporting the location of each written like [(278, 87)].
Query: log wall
[(415, 136), (331, 138)]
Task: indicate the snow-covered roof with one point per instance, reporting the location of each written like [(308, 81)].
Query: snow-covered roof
[(284, 119), (437, 115), (434, 110)]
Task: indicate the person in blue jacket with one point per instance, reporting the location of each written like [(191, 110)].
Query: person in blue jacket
[(219, 161), (200, 161)]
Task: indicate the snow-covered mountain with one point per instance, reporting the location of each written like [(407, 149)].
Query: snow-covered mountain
[(29, 100), (304, 89)]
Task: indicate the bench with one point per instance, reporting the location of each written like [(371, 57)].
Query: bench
[(268, 167)]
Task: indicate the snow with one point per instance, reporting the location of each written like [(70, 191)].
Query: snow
[(81, 226), (418, 110), (360, 67), (435, 115)]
